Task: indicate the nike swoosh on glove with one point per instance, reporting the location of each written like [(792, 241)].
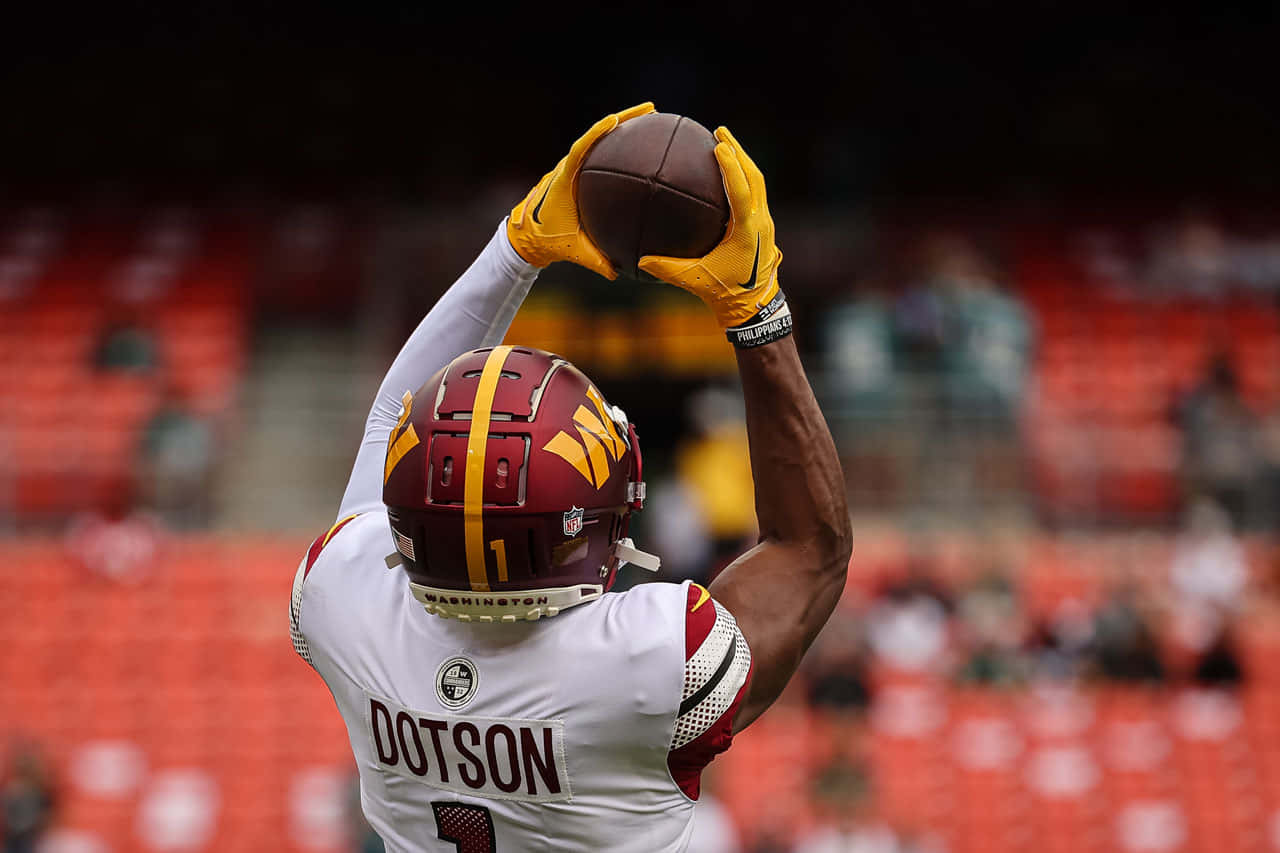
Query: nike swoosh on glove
[(544, 227), (739, 278)]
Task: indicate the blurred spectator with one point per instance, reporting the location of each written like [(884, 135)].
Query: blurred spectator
[(1208, 568), (675, 526), (115, 539), (863, 381), (1219, 664), (25, 251), (28, 800), (836, 667), (1269, 456), (713, 467), (941, 372), (847, 819), (1059, 645), (957, 319), (151, 273), (857, 339), (919, 319), (907, 625), (1221, 459), (771, 839), (178, 455), (838, 688), (992, 630), (1124, 644), (127, 344), (1192, 258), (144, 279), (1208, 577), (987, 365)]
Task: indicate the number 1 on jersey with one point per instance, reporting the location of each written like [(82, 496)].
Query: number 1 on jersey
[(470, 828), (499, 547)]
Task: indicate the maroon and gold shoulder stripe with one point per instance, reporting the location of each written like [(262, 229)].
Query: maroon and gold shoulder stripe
[(313, 553)]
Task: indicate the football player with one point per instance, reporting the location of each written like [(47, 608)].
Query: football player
[(497, 695)]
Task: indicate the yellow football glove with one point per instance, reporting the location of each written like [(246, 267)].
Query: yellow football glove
[(739, 278), (544, 228)]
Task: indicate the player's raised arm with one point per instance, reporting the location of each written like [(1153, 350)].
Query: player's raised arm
[(478, 309), (782, 591)]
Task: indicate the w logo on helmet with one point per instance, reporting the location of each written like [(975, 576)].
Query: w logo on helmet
[(402, 440), (600, 442)]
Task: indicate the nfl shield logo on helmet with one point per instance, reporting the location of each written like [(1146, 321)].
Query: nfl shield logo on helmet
[(573, 521)]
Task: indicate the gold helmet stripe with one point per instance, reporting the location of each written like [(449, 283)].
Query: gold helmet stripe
[(473, 488)]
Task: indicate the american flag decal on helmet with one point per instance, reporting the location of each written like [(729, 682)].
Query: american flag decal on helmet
[(404, 545)]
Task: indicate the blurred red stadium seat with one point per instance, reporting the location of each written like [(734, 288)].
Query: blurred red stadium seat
[(185, 667), (46, 350)]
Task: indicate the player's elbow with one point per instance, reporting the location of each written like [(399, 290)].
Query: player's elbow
[(826, 550), (825, 544), (836, 545), (832, 531)]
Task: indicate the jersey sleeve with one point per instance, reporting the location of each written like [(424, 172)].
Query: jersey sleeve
[(475, 312), (299, 579), (717, 670)]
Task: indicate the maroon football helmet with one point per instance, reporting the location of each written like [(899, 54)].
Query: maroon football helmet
[(510, 483)]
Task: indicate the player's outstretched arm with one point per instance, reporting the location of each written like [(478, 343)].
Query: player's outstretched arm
[(782, 591), (478, 309)]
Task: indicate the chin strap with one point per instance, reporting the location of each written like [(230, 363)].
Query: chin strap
[(627, 552)]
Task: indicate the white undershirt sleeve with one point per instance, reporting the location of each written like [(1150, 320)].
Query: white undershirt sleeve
[(475, 312)]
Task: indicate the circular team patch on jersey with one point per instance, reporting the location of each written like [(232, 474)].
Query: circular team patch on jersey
[(456, 682)]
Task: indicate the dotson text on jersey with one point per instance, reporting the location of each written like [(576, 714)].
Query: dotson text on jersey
[(503, 758)]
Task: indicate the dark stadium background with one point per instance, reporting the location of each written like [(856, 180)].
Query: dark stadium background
[(1088, 603), (1038, 99)]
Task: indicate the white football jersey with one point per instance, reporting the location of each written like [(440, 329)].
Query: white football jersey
[(584, 731)]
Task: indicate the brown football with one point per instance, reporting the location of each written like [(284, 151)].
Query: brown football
[(653, 187)]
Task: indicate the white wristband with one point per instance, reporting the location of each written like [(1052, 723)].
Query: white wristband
[(771, 324)]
